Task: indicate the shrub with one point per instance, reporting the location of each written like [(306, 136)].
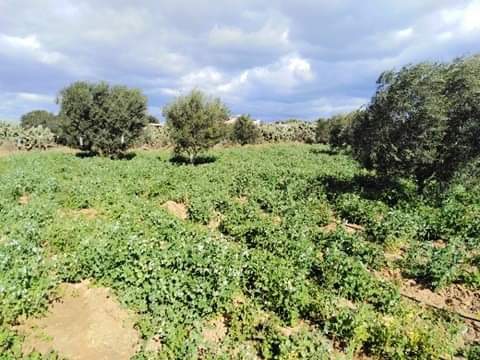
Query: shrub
[(322, 131), (245, 131), (195, 122), (101, 118)]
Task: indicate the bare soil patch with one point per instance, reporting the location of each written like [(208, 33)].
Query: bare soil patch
[(455, 297), (24, 199), (215, 221), (178, 210), (349, 228), (154, 344), (86, 323), (88, 213), (242, 200), (215, 331), (292, 330)]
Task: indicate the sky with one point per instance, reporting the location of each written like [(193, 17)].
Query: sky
[(272, 59)]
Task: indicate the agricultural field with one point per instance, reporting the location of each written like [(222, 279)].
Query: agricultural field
[(282, 251)]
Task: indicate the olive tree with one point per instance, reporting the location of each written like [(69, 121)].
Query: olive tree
[(245, 131), (101, 118), (423, 121), (195, 123)]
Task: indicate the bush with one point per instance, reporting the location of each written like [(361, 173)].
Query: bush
[(195, 122), (245, 131), (322, 131), (102, 119)]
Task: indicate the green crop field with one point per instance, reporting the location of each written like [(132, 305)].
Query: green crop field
[(297, 251)]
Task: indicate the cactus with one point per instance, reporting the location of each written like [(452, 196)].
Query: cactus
[(35, 138), (27, 139), (154, 137), (291, 131)]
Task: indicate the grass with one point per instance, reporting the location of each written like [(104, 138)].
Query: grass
[(101, 219)]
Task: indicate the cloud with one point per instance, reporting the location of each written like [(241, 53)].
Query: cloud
[(28, 46), (12, 104), (272, 59)]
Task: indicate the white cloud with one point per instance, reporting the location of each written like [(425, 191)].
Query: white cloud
[(463, 19), (29, 46), (269, 36), (12, 105), (32, 97), (404, 34), (283, 75)]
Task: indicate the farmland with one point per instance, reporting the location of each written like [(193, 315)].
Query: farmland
[(284, 251)]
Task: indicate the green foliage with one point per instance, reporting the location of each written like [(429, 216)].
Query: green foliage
[(195, 122), (101, 118), (283, 286), (473, 352), (436, 266), (337, 130), (41, 118), (322, 131), (245, 131), (422, 121)]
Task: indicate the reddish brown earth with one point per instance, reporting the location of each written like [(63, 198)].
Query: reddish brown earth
[(86, 323)]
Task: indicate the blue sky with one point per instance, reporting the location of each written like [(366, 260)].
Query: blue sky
[(272, 59)]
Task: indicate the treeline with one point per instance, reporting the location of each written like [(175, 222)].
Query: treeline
[(423, 122), (108, 120)]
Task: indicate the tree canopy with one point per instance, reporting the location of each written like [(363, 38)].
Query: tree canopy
[(195, 122), (101, 118)]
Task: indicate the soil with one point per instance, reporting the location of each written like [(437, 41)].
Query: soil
[(215, 331), (215, 221), (154, 344), (242, 200), (178, 210), (24, 199), (455, 298), (88, 213), (86, 323), (349, 228), (292, 330)]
